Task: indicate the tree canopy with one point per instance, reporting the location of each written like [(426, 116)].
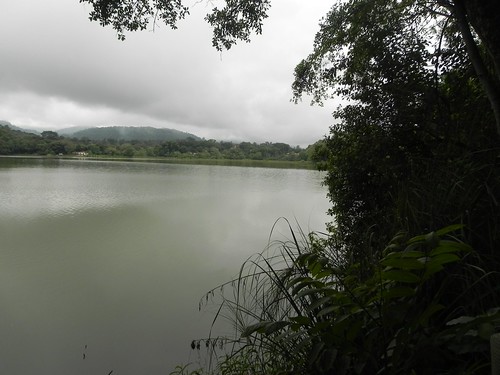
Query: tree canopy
[(236, 20), (374, 50), (143, 142), (419, 112)]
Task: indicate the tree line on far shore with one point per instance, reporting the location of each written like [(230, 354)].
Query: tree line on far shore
[(15, 142)]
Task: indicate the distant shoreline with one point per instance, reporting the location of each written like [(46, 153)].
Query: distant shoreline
[(283, 164)]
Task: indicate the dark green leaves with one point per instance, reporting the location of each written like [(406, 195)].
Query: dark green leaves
[(402, 276), (315, 316), (236, 21), (133, 15), (266, 328)]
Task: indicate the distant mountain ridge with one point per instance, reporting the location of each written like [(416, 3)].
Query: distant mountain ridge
[(117, 133), (13, 127), (129, 133)]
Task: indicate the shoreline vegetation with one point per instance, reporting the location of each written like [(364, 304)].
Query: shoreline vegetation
[(299, 307), (49, 144), (282, 164)]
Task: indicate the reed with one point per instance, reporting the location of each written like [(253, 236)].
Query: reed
[(299, 308)]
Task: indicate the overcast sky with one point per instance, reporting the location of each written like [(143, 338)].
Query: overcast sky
[(58, 70)]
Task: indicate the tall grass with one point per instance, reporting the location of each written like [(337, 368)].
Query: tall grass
[(428, 307)]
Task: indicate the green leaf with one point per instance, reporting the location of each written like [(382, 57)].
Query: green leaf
[(301, 320), (420, 238), (296, 280), (449, 229), (251, 329), (400, 276), (432, 239), (461, 320), (403, 263), (318, 267), (275, 326), (310, 259), (322, 274), (392, 249), (445, 258), (398, 237), (398, 292), (327, 310), (405, 254), (308, 292), (302, 259), (446, 247), (264, 327), (317, 303), (430, 310), (309, 283), (431, 268)]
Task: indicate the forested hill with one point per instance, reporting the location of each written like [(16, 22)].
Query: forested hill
[(13, 127), (16, 142), (129, 133)]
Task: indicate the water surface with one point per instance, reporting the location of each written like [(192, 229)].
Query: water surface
[(102, 264)]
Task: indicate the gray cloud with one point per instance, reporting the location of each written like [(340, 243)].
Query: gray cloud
[(59, 69)]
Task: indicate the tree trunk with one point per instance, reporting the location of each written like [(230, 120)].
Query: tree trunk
[(484, 16), (468, 13)]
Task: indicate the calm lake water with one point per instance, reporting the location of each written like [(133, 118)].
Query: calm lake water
[(103, 264)]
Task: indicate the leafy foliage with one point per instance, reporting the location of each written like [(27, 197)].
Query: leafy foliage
[(234, 21), (365, 48), (386, 54), (304, 311), (133, 15), (415, 129)]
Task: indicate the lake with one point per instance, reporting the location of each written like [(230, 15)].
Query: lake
[(103, 264)]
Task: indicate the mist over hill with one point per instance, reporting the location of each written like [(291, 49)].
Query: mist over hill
[(113, 143), (129, 133), (115, 133), (14, 127), (68, 132)]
